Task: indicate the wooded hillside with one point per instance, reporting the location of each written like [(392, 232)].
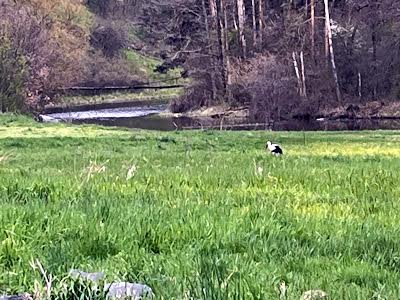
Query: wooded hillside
[(48, 45), (285, 56), (274, 55)]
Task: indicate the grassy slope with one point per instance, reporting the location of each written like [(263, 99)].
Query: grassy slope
[(199, 206), (161, 96), (147, 65)]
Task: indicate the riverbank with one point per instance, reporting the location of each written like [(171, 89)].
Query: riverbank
[(187, 211), (371, 110), (213, 112)]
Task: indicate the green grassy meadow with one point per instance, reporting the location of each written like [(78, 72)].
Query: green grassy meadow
[(202, 214)]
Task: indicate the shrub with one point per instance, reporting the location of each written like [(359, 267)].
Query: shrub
[(109, 38), (196, 95), (269, 86), (102, 71), (12, 76), (48, 46)]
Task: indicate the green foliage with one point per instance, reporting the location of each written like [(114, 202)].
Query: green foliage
[(12, 76), (209, 214), (70, 289)]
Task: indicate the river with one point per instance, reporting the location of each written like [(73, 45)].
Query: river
[(148, 117)]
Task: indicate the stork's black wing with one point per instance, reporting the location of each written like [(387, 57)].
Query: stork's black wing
[(277, 150)]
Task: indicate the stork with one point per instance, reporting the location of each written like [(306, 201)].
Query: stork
[(275, 149)]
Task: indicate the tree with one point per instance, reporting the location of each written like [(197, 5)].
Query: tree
[(210, 51)]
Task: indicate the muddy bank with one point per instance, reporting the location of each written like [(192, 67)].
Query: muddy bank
[(371, 110), (214, 112)]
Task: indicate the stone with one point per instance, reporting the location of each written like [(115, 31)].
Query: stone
[(116, 290), (127, 290), (314, 295), (47, 119), (24, 296), (94, 277)]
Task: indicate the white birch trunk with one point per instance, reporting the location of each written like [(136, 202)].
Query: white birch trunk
[(241, 19), (221, 43), (331, 52), (260, 21), (313, 28), (213, 8), (296, 69), (303, 74), (253, 11)]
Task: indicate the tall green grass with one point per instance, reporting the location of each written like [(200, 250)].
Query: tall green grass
[(204, 214)]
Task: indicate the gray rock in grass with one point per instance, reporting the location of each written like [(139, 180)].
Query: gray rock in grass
[(47, 119), (314, 295), (127, 290), (116, 290), (25, 296)]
